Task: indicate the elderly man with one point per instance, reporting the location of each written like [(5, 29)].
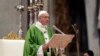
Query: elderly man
[(38, 36)]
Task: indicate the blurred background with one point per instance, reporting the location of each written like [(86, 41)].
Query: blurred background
[(17, 15)]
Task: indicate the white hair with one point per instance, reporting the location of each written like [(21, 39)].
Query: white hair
[(42, 12)]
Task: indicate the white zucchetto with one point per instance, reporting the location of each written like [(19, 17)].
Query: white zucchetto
[(42, 12)]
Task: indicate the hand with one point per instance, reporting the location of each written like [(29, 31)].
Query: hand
[(45, 47)]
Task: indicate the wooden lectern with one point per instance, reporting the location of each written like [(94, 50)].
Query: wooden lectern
[(60, 40)]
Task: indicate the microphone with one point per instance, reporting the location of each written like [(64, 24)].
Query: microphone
[(57, 29)]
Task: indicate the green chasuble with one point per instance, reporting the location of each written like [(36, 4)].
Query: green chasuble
[(34, 39)]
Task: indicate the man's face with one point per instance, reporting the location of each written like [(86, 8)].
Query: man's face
[(44, 19)]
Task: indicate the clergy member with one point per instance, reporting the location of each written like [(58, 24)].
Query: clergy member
[(38, 36)]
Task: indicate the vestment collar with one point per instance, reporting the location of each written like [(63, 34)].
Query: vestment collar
[(41, 27)]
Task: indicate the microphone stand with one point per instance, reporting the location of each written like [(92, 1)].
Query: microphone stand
[(58, 29), (77, 38)]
